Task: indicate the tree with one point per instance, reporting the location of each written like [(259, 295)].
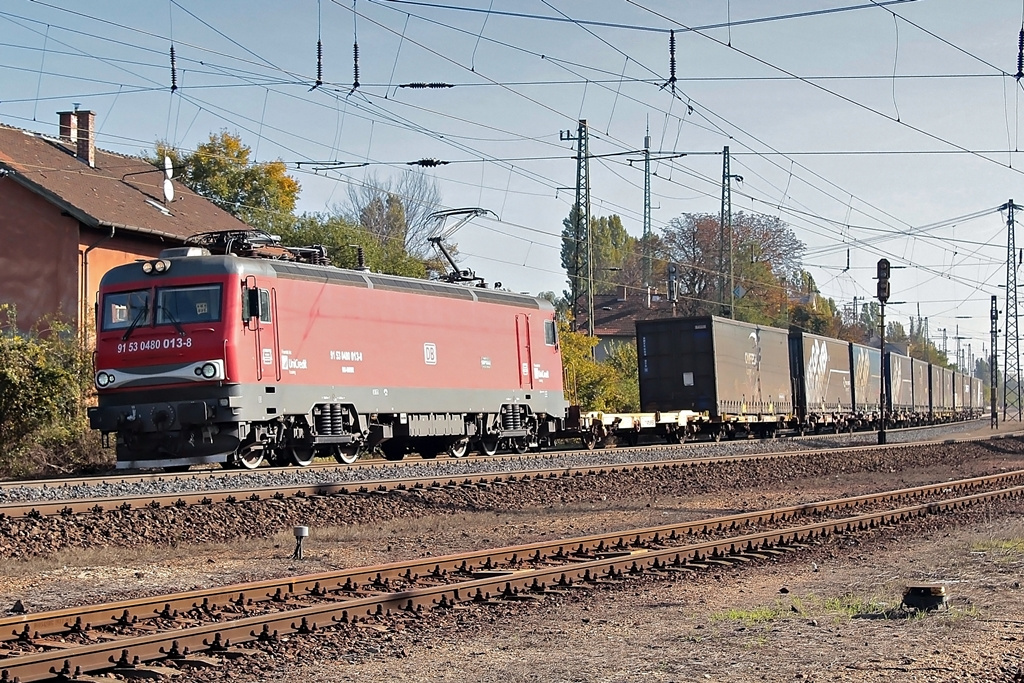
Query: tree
[(45, 388), (610, 385), (262, 195), (342, 238), (614, 252), (396, 211), (764, 251)]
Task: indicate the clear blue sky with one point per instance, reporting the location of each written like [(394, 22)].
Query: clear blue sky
[(822, 132)]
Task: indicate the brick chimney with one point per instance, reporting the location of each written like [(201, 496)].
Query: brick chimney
[(78, 128), (86, 142), (68, 126)]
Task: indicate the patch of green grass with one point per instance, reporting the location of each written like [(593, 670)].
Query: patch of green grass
[(751, 617), (1009, 546), (854, 605)]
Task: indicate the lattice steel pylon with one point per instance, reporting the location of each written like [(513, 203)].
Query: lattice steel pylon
[(725, 233), (648, 275), (1011, 361), (582, 279)]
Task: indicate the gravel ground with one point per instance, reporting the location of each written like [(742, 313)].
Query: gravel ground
[(828, 613), (11, 492)]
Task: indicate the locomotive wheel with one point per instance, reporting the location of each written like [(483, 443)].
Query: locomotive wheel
[(519, 445), (301, 456), (346, 455), (489, 444), (459, 449)]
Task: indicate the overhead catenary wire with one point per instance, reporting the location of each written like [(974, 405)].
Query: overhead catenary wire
[(734, 153)]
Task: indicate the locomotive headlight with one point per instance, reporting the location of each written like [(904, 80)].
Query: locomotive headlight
[(147, 267), (209, 370), (104, 379), (161, 266)]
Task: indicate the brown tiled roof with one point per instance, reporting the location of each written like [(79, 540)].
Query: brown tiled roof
[(616, 317), (114, 193)]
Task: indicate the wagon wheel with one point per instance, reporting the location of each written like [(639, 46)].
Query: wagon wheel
[(248, 456), (346, 454), (589, 440), (716, 435), (300, 455), (519, 445), (459, 449), (489, 444), (392, 450)]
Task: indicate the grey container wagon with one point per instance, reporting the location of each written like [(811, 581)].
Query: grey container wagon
[(736, 372), (922, 391), (866, 364), (899, 388), (822, 381), (942, 393)]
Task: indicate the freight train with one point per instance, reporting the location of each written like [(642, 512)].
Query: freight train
[(745, 378), (236, 350)]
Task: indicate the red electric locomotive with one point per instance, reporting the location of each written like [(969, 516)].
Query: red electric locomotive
[(213, 354)]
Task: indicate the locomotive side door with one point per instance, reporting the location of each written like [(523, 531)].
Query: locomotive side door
[(258, 310), (525, 355)]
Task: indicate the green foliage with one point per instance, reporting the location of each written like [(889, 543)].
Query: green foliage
[(622, 393), (340, 235), (610, 385), (615, 254), (45, 383), (262, 195)]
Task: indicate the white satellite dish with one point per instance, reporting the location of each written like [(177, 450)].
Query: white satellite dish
[(168, 185)]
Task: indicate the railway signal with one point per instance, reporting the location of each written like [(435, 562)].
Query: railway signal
[(882, 274), (883, 280)]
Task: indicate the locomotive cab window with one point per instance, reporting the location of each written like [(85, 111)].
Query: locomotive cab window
[(122, 309), (550, 338), (264, 305), (194, 304)]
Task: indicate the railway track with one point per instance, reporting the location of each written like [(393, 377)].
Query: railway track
[(179, 499), (370, 468), (196, 628)]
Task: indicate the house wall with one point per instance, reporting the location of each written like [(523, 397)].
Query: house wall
[(605, 345), (38, 262), (98, 252), (50, 264)]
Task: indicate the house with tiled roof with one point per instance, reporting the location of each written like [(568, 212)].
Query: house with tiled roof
[(69, 212), (615, 317)]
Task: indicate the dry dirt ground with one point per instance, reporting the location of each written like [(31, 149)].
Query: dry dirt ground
[(827, 613)]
